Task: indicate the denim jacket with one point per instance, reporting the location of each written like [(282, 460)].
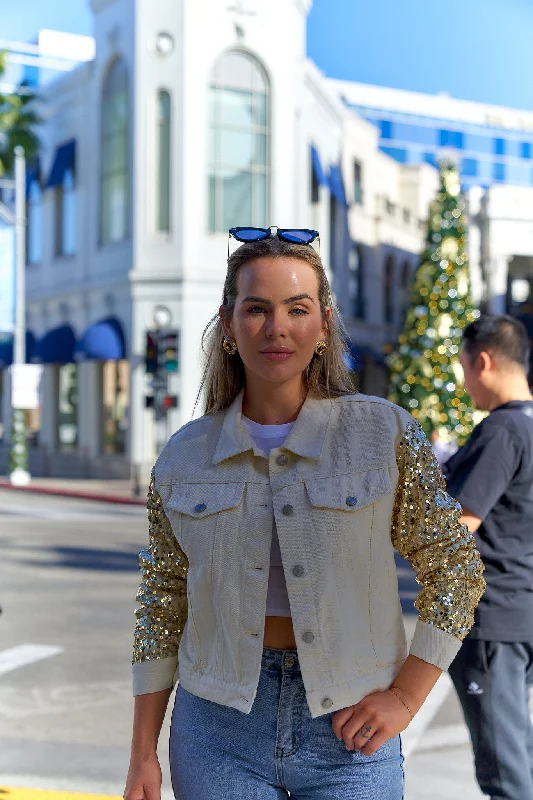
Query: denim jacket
[(355, 480)]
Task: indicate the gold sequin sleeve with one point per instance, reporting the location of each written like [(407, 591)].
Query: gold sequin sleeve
[(162, 602), (442, 551)]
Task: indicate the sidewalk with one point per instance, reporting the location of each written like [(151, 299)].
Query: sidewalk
[(110, 491)]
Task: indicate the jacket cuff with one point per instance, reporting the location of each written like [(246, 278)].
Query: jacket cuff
[(433, 645), (154, 676)]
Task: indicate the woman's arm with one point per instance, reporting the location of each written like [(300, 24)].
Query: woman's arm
[(161, 617), (367, 725), (144, 774), (427, 529)]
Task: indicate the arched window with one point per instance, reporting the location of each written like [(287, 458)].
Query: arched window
[(114, 205), (239, 134), (405, 289), (34, 229), (389, 290), (356, 282), (163, 158), (66, 203)]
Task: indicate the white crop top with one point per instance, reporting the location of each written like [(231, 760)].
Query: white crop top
[(266, 437)]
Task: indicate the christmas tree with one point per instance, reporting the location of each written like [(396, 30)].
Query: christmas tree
[(425, 370)]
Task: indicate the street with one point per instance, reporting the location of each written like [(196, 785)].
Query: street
[(69, 577)]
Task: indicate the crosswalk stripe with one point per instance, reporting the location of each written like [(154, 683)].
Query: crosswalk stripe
[(17, 793), (16, 657)]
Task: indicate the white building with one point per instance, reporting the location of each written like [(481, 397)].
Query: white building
[(176, 130)]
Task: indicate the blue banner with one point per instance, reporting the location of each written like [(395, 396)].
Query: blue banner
[(7, 279)]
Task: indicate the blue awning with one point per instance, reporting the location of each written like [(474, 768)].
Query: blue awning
[(64, 161), (353, 357), (57, 346), (336, 184), (6, 349), (320, 175), (33, 175), (103, 341)]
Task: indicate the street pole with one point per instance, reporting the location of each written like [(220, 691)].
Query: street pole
[(19, 473)]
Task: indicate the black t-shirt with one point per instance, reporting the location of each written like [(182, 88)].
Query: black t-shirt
[(492, 476)]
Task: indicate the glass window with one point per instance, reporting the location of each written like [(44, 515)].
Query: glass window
[(451, 139), (389, 289), (358, 183), (498, 171), (396, 152), (478, 143), (239, 143), (525, 149), (356, 288), (34, 228), (386, 129), (469, 167), (430, 158), (419, 134), (115, 405), (67, 421), (164, 166), (65, 203), (115, 155), (499, 147)]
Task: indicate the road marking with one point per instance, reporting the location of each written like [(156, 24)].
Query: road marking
[(8, 793), (416, 730), (24, 654)]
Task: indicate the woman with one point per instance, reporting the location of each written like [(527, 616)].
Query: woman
[(273, 523)]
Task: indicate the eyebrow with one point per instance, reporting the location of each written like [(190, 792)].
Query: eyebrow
[(289, 300)]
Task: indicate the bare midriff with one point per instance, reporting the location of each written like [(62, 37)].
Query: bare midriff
[(279, 633)]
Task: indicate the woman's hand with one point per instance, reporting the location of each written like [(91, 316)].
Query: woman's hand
[(144, 779), (370, 723)]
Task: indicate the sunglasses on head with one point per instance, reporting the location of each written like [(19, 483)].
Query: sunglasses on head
[(291, 235)]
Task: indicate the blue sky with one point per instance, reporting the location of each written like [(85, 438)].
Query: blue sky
[(474, 49)]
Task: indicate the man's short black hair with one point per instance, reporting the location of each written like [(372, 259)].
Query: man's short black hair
[(501, 335)]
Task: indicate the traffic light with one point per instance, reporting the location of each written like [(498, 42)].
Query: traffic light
[(168, 350), (151, 353)]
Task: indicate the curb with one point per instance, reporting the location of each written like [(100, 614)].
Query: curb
[(76, 494)]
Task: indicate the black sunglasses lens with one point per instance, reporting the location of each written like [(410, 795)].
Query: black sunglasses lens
[(250, 234), (298, 236)]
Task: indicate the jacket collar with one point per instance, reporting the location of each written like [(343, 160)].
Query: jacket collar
[(306, 438)]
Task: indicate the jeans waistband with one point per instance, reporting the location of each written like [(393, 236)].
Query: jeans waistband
[(280, 660)]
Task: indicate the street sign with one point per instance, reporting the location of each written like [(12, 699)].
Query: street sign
[(25, 386)]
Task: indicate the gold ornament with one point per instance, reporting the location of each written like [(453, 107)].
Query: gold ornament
[(229, 345), (321, 347)]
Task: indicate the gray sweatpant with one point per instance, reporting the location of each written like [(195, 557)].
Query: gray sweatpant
[(492, 680)]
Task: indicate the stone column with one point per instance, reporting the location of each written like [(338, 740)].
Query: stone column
[(497, 284)]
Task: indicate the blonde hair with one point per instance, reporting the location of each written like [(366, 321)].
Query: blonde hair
[(224, 376)]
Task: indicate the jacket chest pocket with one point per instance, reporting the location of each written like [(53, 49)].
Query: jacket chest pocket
[(349, 493), (205, 510)]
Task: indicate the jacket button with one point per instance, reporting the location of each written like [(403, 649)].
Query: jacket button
[(308, 637), (287, 511), (282, 460), (327, 702), (351, 501), (298, 571), (200, 507)]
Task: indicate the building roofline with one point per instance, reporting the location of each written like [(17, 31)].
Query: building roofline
[(439, 106)]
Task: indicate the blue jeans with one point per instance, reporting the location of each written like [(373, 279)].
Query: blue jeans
[(218, 753)]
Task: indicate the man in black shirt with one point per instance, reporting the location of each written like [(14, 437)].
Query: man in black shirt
[(492, 478)]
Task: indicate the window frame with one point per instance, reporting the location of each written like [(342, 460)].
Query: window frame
[(107, 139), (254, 170)]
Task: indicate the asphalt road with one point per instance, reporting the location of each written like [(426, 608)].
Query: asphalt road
[(67, 588)]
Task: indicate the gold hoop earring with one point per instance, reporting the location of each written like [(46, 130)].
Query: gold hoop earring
[(321, 347), (229, 345)]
